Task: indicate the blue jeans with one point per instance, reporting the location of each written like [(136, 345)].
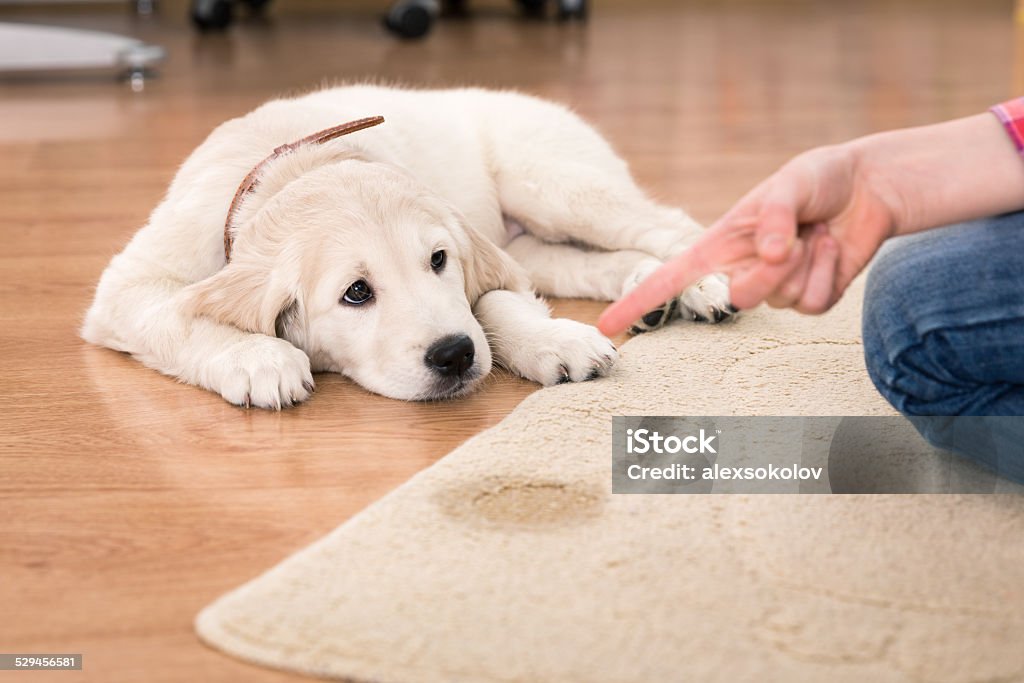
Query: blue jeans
[(943, 328)]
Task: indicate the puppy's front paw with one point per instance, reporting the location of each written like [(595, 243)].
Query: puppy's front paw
[(652, 320), (657, 317), (262, 371), (566, 351), (707, 300)]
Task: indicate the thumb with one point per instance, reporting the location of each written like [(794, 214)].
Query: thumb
[(778, 219), (776, 232)]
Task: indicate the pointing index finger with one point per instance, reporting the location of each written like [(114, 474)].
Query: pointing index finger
[(716, 251)]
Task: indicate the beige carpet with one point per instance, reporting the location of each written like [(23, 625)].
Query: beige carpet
[(509, 560)]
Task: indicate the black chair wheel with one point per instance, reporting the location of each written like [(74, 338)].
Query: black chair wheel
[(454, 8), (409, 19), (212, 15), (573, 9), (533, 8), (256, 6)]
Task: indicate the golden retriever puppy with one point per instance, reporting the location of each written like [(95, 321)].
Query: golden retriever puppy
[(402, 253)]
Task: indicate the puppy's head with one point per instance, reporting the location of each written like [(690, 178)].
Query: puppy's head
[(367, 272)]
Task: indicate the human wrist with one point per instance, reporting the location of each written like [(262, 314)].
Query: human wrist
[(875, 173), (941, 174)]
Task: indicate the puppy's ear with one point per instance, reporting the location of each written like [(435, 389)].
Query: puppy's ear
[(247, 297), (487, 267)]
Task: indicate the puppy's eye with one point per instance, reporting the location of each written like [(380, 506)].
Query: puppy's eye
[(438, 259), (358, 294)]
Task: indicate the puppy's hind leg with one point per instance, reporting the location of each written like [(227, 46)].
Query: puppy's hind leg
[(613, 215), (565, 270), (599, 206), (586, 195)]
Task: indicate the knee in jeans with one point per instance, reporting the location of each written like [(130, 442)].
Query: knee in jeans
[(894, 352), (925, 305), (883, 368), (892, 270), (900, 377)]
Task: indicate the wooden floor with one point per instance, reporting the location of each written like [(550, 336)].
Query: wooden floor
[(127, 501)]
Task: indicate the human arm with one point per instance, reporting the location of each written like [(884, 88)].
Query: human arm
[(801, 236)]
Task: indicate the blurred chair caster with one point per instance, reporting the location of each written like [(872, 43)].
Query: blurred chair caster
[(406, 18), (136, 63), (567, 9), (573, 9), (217, 15), (454, 9), (411, 18)]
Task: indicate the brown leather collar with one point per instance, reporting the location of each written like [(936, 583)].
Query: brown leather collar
[(251, 180)]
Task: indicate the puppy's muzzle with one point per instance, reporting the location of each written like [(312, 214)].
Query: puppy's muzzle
[(451, 356)]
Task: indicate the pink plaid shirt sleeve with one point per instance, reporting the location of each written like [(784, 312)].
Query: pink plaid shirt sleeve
[(1011, 114)]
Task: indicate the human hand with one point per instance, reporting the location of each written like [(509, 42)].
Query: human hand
[(796, 240)]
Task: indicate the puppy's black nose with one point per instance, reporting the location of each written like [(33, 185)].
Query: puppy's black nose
[(451, 356)]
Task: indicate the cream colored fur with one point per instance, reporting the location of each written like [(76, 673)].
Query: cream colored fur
[(445, 172)]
